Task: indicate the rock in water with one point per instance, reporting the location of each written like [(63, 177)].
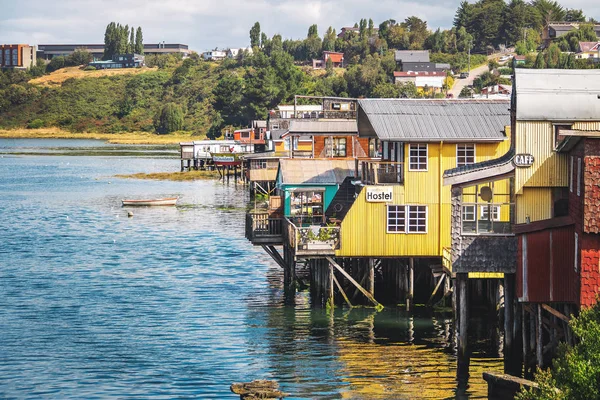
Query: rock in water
[(259, 389)]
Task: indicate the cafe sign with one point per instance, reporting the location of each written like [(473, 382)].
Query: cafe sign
[(523, 160), (379, 194)]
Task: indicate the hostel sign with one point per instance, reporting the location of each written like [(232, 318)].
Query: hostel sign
[(523, 160), (379, 194)]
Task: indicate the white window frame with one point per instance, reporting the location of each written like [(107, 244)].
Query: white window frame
[(571, 171), (397, 209), (471, 211), (578, 176), (410, 156), (576, 259), (466, 147), (408, 216), (495, 213), (418, 218)]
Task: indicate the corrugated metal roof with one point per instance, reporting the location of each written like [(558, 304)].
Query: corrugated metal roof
[(412, 55), (557, 94), (313, 126), (411, 120), (307, 171)]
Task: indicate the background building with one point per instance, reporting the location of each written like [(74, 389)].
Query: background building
[(48, 51), (21, 56)]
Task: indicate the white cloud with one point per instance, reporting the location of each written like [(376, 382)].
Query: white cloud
[(204, 24)]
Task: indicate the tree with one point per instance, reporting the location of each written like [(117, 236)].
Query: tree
[(79, 57), (139, 41), (576, 372), (329, 40), (131, 47), (521, 48), (574, 15), (417, 31), (517, 16), (313, 31), (463, 16), (116, 40), (169, 119), (546, 11), (229, 94), (255, 35), (464, 40)]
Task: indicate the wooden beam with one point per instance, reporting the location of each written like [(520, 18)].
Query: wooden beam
[(341, 290), (556, 313), (347, 275), (436, 288), (272, 251)]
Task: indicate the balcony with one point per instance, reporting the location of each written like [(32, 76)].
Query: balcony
[(313, 240), (487, 219), (381, 172), (264, 229)]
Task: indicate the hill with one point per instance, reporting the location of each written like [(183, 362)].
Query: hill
[(57, 77)]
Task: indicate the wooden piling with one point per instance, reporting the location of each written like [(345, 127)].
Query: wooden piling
[(411, 282), (463, 357), (510, 349), (539, 336)]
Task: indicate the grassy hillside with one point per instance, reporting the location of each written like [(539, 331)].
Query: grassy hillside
[(107, 101)]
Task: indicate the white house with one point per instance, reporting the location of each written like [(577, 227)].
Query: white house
[(233, 53), (214, 55)]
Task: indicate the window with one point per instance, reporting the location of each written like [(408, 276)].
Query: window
[(336, 147), (258, 164), (396, 219), (571, 171), (245, 135), (407, 219), (417, 157), (484, 213), (417, 219), (468, 213), (465, 154), (578, 176)]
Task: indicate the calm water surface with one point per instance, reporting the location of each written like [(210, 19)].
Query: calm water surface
[(174, 302)]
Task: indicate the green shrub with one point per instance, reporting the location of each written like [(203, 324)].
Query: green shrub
[(169, 119), (35, 124), (89, 68)]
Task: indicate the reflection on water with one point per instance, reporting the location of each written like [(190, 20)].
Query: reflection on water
[(174, 302)]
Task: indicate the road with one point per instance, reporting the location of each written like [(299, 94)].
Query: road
[(475, 72), (459, 84)]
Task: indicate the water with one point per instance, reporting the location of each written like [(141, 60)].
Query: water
[(174, 302)]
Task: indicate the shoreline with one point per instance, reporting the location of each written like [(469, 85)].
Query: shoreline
[(173, 176), (113, 138)]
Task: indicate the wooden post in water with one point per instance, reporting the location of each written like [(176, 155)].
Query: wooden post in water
[(462, 295), (371, 272), (330, 301), (510, 349), (411, 283)]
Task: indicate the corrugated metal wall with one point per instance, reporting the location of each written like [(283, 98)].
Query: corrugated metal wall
[(549, 274), (550, 168), (364, 229), (535, 203)]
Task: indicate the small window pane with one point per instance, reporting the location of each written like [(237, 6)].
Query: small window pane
[(396, 219), (465, 154), (418, 157)]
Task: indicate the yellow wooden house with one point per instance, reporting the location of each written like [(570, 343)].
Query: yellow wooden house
[(402, 208)]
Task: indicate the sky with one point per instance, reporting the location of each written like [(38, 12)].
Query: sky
[(209, 24)]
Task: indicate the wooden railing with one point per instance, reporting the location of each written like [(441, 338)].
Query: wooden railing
[(313, 239), (381, 172), (260, 227), (447, 258)]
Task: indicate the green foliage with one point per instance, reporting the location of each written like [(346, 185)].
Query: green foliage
[(576, 370), (255, 35), (466, 92), (36, 124), (117, 40), (89, 68), (169, 119), (139, 41)]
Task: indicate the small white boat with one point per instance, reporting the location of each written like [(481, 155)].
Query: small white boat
[(170, 201)]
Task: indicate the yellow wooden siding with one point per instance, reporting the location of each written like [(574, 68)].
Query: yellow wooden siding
[(549, 168), (586, 126), (535, 203), (486, 275), (303, 145), (364, 228)]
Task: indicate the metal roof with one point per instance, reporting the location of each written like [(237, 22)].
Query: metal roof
[(485, 170), (310, 171), (412, 55), (557, 94), (314, 126), (453, 120)]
